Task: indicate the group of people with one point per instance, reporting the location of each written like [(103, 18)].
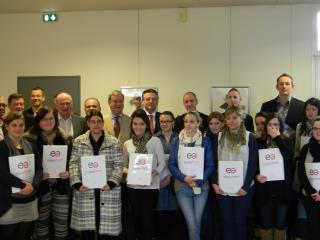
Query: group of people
[(63, 207)]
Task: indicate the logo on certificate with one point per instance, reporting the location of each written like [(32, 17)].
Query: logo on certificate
[(22, 165), (270, 157), (314, 172), (93, 165), (55, 154)]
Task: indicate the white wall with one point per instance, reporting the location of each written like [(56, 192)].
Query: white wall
[(237, 46)]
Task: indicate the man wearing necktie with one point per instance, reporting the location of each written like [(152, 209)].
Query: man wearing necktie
[(117, 123), (150, 100)]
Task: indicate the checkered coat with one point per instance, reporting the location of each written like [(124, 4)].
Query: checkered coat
[(83, 204)]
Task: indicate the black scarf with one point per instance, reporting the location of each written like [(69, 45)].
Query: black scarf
[(314, 148)]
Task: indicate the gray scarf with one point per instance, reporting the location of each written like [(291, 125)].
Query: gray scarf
[(13, 151)]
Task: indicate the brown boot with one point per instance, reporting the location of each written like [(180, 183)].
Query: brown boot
[(266, 234), (279, 234)]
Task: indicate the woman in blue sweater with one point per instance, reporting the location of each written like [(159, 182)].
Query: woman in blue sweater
[(191, 191)]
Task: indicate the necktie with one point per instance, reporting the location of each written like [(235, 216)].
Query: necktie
[(116, 126), (151, 124)]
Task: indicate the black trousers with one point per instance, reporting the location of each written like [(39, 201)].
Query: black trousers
[(313, 213), (144, 203), (17, 231)]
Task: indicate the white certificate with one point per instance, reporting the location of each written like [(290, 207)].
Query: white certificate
[(271, 164), (230, 176), (165, 172), (192, 161), (54, 159), (22, 167), (140, 169), (313, 174), (94, 172)]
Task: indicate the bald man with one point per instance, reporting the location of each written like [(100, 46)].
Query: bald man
[(73, 124), (190, 102), (91, 104)]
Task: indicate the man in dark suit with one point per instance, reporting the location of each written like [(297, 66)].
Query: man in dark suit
[(73, 124), (190, 102), (37, 98), (288, 108), (150, 100)]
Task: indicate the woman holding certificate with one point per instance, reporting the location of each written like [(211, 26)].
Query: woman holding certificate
[(191, 164), (167, 203), (309, 171), (145, 160), (304, 132), (55, 147), (273, 189), (237, 155), (20, 177), (95, 174)]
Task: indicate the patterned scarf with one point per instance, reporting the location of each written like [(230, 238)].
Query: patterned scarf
[(140, 143), (185, 141), (233, 140)]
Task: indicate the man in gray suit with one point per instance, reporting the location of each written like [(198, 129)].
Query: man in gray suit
[(117, 124), (73, 124)]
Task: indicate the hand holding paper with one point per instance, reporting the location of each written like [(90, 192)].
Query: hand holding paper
[(217, 189), (64, 175), (242, 192), (261, 178), (83, 188), (105, 188), (28, 189)]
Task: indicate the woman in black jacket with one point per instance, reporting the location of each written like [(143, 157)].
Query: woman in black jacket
[(54, 192), (18, 210), (310, 196), (273, 197)]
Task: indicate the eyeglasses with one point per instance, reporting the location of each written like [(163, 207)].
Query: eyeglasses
[(165, 122), (3, 105)]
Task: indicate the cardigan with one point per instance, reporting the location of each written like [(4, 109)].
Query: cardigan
[(7, 180), (208, 162), (154, 146), (252, 161)]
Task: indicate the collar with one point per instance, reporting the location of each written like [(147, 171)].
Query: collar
[(114, 116), (60, 118), (288, 102), (153, 114)]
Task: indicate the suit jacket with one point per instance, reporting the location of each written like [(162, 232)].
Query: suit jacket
[(79, 125), (125, 128), (28, 118), (295, 111), (179, 123), (157, 122)]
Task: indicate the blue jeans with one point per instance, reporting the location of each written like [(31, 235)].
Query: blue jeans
[(192, 207), (234, 210)]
